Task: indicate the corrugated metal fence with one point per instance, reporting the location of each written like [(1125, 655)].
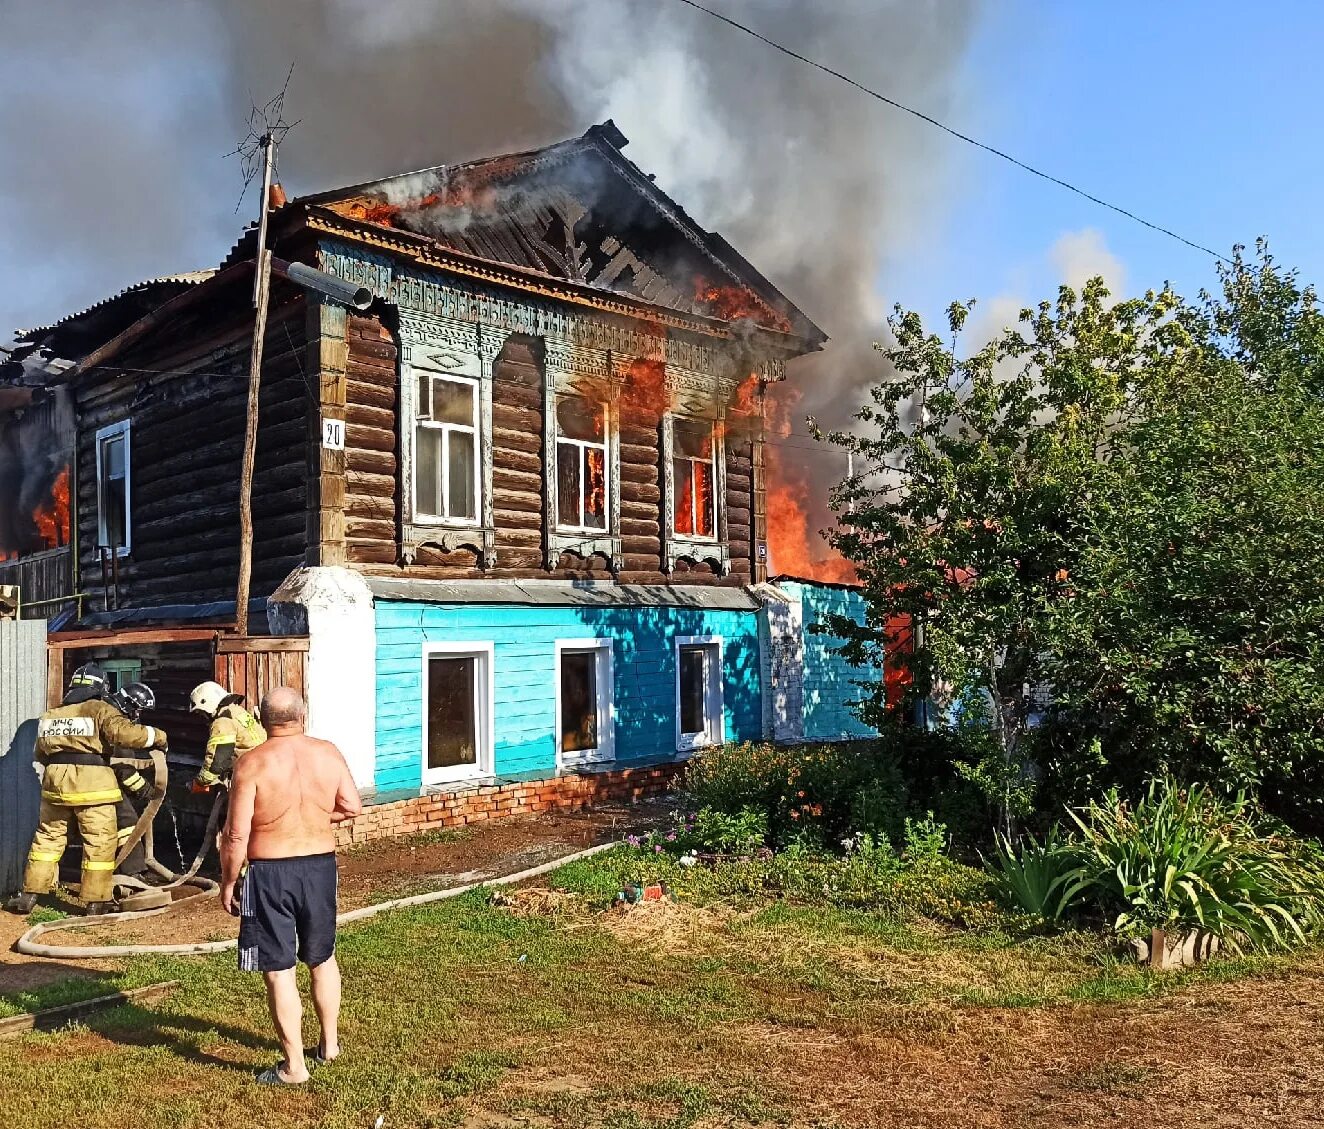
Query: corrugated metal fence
[(22, 698)]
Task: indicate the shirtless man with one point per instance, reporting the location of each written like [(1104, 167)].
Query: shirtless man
[(286, 797)]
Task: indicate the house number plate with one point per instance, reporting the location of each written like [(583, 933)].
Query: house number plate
[(333, 434)]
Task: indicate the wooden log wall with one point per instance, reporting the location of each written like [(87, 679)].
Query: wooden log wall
[(373, 493), (185, 393)]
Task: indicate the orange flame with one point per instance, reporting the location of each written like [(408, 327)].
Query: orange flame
[(732, 302), (793, 548), (52, 521)]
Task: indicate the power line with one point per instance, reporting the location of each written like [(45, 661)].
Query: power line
[(957, 133)]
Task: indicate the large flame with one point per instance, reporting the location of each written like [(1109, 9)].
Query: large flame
[(52, 519), (794, 548), (731, 303)]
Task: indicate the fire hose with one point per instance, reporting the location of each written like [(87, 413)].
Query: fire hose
[(28, 944), (152, 897)]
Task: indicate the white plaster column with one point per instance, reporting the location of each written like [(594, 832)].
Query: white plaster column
[(781, 661), (333, 607)]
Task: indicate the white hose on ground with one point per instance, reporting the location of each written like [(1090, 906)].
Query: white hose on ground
[(27, 943)]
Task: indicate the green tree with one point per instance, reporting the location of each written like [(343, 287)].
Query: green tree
[(1195, 644), (1119, 504), (974, 511)]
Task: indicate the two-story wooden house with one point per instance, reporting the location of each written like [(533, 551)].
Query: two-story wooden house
[(515, 506)]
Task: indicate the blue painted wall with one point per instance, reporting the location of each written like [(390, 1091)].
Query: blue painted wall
[(524, 666), (829, 680)]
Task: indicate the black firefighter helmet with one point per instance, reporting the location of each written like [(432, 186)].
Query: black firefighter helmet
[(133, 699), (88, 683)]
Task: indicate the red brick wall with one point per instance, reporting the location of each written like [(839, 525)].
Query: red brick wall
[(475, 803)]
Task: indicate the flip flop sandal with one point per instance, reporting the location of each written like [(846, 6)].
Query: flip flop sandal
[(315, 1056), (271, 1077)]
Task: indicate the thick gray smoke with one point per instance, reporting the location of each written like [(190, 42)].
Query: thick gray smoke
[(114, 128)]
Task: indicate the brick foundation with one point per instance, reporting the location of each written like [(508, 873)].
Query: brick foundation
[(475, 803)]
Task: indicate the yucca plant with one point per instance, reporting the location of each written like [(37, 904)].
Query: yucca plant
[(1038, 876), (1187, 858)]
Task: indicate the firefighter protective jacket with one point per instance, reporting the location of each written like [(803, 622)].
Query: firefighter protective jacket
[(73, 744), (233, 731)]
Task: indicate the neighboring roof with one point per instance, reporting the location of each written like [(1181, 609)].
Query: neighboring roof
[(166, 283), (577, 211), (561, 593), (845, 586)]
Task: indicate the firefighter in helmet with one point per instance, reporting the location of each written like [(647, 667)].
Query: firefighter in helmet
[(233, 732), (135, 789), (78, 784)]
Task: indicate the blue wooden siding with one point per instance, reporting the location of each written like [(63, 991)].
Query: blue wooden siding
[(524, 672), (829, 680)]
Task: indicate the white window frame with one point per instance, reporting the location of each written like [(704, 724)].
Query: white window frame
[(713, 698), (714, 460), (606, 694), (124, 428), (444, 467), (583, 445), (484, 710)]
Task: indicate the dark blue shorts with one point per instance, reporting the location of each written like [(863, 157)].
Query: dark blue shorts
[(287, 909)]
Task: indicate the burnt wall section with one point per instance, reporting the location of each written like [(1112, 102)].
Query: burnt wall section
[(184, 395)]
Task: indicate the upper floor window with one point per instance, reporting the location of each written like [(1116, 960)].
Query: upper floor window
[(113, 497), (581, 464), (446, 472), (694, 474)]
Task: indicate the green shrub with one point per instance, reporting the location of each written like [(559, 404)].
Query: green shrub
[(1186, 858), (1037, 876), (810, 794), (712, 830)]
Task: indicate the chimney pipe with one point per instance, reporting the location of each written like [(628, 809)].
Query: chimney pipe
[(310, 278)]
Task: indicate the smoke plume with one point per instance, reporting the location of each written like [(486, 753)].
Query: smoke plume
[(117, 124)]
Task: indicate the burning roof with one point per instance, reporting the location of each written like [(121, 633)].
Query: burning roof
[(577, 211)]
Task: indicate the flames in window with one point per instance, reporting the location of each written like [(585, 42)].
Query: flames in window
[(45, 526)]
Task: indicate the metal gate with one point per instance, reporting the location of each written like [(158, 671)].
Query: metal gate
[(22, 699)]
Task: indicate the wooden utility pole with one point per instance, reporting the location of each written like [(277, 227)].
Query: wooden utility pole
[(261, 290)]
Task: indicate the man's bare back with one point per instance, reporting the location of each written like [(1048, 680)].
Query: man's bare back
[(301, 788), (286, 797)]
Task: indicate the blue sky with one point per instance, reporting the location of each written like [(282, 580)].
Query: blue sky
[(1200, 116)]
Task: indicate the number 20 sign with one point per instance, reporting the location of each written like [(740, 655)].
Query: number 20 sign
[(333, 434)]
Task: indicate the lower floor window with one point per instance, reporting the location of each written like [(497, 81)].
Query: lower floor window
[(584, 710), (698, 693), (458, 711)]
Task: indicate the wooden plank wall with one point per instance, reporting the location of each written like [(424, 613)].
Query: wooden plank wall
[(185, 393), (373, 500), (252, 666)]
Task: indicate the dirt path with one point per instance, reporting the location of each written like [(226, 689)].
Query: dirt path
[(374, 872)]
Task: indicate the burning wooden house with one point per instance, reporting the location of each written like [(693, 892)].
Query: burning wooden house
[(510, 516)]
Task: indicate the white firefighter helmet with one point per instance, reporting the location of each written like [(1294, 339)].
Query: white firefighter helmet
[(208, 697)]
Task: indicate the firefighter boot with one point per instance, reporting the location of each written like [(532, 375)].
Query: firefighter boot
[(100, 909), (22, 904)]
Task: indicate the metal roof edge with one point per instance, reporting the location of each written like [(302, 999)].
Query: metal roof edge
[(563, 593)]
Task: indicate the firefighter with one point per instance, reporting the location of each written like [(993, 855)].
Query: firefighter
[(233, 732), (135, 789), (78, 785)]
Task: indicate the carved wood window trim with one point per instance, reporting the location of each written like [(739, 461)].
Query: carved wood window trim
[(676, 545), (462, 354), (587, 374)]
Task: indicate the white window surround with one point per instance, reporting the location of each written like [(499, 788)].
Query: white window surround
[(582, 447), (713, 704), (677, 545), (445, 430), (603, 650), (123, 427), (459, 352), (484, 710)]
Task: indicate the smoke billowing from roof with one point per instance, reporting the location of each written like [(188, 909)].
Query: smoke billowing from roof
[(115, 126)]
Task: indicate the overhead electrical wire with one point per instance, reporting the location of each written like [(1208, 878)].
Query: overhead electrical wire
[(929, 120)]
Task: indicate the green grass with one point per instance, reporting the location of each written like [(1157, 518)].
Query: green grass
[(446, 1025)]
